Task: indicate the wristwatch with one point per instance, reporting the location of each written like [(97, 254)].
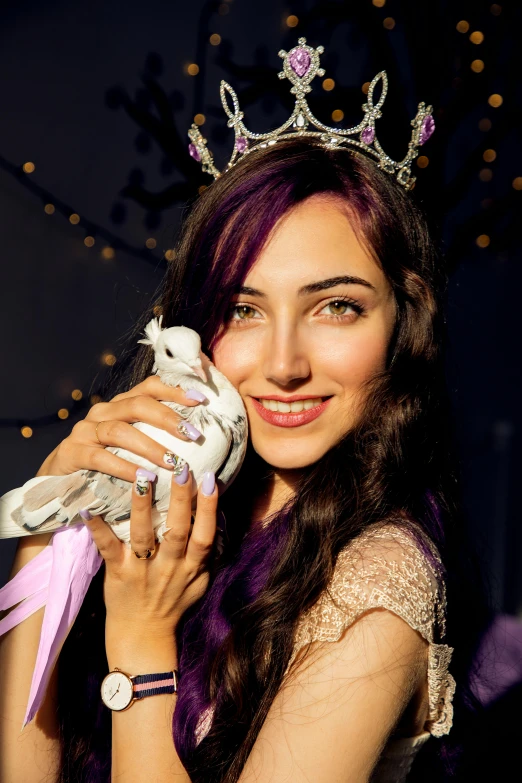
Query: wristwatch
[(120, 690)]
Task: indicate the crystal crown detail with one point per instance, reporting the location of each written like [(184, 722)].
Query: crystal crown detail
[(300, 66)]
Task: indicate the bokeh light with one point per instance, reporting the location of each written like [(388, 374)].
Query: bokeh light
[(26, 432), (29, 167), (483, 240), (49, 209), (76, 394)]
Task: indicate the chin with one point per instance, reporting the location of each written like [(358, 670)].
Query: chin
[(290, 456)]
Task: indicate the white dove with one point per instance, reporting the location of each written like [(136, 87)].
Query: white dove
[(59, 577), (46, 503)]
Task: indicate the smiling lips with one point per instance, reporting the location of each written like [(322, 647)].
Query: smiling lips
[(290, 414)]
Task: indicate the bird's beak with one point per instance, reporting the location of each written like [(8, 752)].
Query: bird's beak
[(199, 371)]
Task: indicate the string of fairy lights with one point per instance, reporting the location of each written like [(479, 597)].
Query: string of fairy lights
[(110, 243)]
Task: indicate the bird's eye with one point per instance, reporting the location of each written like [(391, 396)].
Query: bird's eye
[(169, 353)]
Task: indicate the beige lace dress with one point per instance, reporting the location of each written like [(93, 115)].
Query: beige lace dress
[(385, 567)]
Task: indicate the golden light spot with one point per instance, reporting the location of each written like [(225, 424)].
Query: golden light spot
[(63, 413), (378, 3), (170, 254), (485, 175), (28, 167), (94, 399), (192, 69), (422, 161), (389, 23), (76, 394), (157, 310), (477, 37), (496, 9), (199, 119), (74, 219), (292, 21), (337, 115), (366, 87), (462, 26), (477, 66), (49, 209), (202, 188), (26, 432), (109, 359), (328, 84), (215, 39), (483, 240), (151, 243), (485, 124), (517, 183), (495, 100), (489, 155), (89, 241), (108, 253)]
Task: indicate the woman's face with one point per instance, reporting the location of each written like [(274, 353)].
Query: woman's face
[(310, 324)]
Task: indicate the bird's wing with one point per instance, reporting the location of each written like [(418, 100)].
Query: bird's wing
[(238, 430)]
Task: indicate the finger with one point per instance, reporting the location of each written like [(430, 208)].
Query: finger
[(179, 514), (109, 545), (144, 409), (141, 531), (203, 533), (124, 435), (154, 387)]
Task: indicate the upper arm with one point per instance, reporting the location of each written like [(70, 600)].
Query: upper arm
[(34, 754), (335, 711)]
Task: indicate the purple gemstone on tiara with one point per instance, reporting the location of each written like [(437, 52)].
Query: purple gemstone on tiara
[(427, 128), (368, 135), (194, 152), (300, 62), (241, 144)]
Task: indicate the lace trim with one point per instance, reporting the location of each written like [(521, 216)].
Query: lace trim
[(385, 568)]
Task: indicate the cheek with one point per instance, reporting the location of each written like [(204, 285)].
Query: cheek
[(353, 359), (234, 358)]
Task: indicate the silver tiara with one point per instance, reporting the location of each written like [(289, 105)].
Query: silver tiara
[(300, 66)]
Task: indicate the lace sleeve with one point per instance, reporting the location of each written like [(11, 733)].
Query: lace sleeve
[(385, 567)]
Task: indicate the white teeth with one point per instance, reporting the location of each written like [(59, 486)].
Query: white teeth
[(290, 407)]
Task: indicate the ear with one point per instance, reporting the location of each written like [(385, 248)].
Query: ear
[(153, 331)]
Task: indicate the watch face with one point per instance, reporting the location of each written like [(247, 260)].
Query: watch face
[(117, 691)]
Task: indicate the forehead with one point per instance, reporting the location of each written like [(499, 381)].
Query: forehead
[(316, 239)]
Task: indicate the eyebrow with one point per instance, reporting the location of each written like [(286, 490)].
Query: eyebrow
[(312, 288)]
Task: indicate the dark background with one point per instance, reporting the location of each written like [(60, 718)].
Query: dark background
[(98, 97)]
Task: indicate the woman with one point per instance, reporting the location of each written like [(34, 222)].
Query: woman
[(315, 647)]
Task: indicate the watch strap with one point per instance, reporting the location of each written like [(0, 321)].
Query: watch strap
[(152, 684)]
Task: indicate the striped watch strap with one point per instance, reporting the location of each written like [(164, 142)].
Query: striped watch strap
[(151, 684)]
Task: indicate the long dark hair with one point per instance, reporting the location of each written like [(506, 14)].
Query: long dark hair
[(395, 464)]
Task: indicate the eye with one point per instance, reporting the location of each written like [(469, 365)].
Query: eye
[(169, 353), (342, 306), (241, 312)]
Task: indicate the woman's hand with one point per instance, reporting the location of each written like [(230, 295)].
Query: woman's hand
[(81, 450), (145, 598)]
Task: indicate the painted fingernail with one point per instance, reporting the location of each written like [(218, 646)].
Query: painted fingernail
[(181, 478), (188, 430), (84, 513), (143, 479), (209, 482), (174, 461), (194, 394)]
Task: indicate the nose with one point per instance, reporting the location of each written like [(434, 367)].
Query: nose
[(284, 358)]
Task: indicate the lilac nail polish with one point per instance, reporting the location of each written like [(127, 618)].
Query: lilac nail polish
[(84, 513), (194, 394), (144, 473), (209, 482), (182, 477), (187, 429)]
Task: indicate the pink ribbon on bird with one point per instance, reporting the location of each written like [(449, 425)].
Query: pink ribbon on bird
[(57, 578)]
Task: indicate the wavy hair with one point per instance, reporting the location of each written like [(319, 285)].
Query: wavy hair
[(394, 464)]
